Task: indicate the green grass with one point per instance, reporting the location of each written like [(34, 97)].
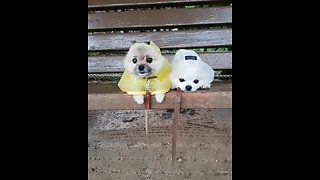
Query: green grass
[(90, 54), (217, 49)]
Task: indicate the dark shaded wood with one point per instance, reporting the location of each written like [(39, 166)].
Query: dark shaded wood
[(115, 4), (165, 40), (109, 96), (114, 63), (176, 112), (159, 18)]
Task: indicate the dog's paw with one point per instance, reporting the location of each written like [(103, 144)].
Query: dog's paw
[(173, 86), (206, 86), (160, 97), (139, 99)]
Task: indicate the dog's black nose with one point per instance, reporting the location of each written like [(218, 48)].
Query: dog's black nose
[(141, 67), (188, 88)]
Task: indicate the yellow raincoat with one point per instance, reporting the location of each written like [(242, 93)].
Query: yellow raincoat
[(134, 85)]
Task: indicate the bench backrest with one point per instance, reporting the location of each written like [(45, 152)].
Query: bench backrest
[(205, 26)]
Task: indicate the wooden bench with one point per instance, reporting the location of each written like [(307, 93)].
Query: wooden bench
[(205, 26)]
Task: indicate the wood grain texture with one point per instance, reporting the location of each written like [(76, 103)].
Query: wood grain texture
[(109, 96), (116, 4), (159, 18), (165, 40), (108, 64)]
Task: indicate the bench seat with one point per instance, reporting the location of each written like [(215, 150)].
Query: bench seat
[(109, 96)]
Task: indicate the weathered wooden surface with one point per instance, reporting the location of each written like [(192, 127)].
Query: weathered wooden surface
[(165, 40), (104, 64), (118, 147), (109, 96), (159, 18), (114, 4)]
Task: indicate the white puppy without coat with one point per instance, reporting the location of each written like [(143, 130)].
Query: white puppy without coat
[(189, 72)]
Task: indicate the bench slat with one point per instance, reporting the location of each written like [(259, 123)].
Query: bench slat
[(159, 18), (114, 63), (165, 40), (113, 4), (108, 96)]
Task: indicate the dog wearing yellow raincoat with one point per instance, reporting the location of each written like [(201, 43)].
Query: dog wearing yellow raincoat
[(144, 60)]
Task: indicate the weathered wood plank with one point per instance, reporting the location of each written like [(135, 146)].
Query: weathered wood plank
[(114, 63), (117, 4), (165, 40), (109, 96), (159, 18)]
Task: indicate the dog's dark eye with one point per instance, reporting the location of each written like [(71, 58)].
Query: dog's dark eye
[(181, 80), (134, 60), (196, 81), (149, 60)]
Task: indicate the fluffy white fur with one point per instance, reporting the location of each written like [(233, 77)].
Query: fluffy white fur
[(141, 53), (186, 71)]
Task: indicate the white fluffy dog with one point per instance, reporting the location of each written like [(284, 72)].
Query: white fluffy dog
[(189, 72)]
